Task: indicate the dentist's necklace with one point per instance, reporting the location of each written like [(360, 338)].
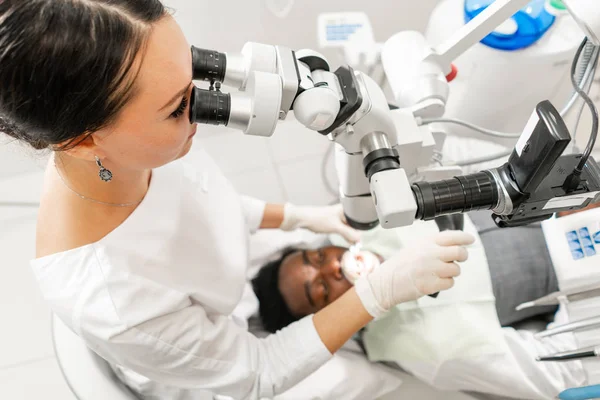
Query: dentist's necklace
[(90, 199)]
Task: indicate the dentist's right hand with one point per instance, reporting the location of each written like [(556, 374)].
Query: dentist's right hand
[(425, 267)]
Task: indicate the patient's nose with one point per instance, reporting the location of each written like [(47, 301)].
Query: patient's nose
[(333, 268)]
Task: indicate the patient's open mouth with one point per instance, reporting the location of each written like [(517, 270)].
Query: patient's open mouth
[(356, 265)]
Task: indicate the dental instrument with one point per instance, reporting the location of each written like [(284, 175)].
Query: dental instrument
[(569, 295), (586, 352), (581, 325)]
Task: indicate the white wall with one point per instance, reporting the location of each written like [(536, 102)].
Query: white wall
[(286, 167), (226, 25)]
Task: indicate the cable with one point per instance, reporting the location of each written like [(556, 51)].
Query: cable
[(586, 88), (437, 158), (469, 125), (479, 160), (593, 110), (587, 56), (583, 75)]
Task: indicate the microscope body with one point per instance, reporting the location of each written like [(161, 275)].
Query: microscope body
[(376, 149), (374, 186)]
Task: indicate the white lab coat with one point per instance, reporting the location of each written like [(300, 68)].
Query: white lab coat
[(155, 296)]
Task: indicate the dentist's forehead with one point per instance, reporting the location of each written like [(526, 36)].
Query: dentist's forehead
[(167, 64)]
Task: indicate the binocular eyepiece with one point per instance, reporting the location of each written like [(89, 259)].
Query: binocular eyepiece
[(208, 65), (210, 106)]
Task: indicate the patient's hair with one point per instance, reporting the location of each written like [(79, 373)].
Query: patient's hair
[(274, 313)]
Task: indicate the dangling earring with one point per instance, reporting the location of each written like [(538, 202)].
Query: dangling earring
[(104, 173)]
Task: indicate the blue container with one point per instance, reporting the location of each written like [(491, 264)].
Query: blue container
[(532, 22)]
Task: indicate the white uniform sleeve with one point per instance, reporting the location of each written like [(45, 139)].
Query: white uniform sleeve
[(192, 350), (254, 210)]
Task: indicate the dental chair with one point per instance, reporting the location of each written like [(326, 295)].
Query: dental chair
[(88, 376)]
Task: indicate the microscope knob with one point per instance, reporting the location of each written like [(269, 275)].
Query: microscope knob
[(317, 108)]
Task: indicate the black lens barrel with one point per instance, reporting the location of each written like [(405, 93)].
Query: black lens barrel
[(457, 195), (209, 107)]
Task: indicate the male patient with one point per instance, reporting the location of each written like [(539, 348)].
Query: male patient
[(454, 344)]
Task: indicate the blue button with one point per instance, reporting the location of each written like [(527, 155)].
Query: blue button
[(584, 232), (575, 245), (589, 251), (587, 242), (577, 254), (572, 235)]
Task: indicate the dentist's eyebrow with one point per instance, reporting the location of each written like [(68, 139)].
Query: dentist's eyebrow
[(177, 96)]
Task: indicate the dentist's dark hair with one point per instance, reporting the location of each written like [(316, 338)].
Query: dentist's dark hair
[(67, 67)]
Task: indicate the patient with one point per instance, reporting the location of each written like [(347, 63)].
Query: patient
[(303, 281)]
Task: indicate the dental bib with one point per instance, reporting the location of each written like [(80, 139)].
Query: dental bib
[(429, 337)]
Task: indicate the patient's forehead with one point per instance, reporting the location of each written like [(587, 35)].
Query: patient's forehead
[(292, 259)]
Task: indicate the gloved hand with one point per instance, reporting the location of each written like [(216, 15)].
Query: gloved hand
[(425, 267), (329, 219)]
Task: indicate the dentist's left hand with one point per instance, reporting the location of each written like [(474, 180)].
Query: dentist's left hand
[(329, 219)]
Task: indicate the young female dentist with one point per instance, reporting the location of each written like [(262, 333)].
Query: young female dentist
[(141, 255)]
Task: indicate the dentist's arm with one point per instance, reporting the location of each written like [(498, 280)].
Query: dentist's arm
[(196, 349), (273, 216), (288, 217)]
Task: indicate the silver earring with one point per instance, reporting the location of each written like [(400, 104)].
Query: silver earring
[(104, 173)]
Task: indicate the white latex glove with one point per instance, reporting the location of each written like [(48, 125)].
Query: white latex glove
[(424, 268), (329, 219)]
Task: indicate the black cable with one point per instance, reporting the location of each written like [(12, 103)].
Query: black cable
[(593, 109)]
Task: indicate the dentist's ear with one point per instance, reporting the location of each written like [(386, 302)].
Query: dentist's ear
[(84, 148)]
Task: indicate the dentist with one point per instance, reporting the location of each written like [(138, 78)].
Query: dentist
[(140, 254)]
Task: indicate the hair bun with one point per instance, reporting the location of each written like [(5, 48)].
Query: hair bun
[(10, 128)]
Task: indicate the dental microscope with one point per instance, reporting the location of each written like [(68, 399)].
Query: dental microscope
[(383, 155)]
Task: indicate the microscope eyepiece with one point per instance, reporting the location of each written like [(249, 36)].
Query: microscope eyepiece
[(208, 65), (209, 107)]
